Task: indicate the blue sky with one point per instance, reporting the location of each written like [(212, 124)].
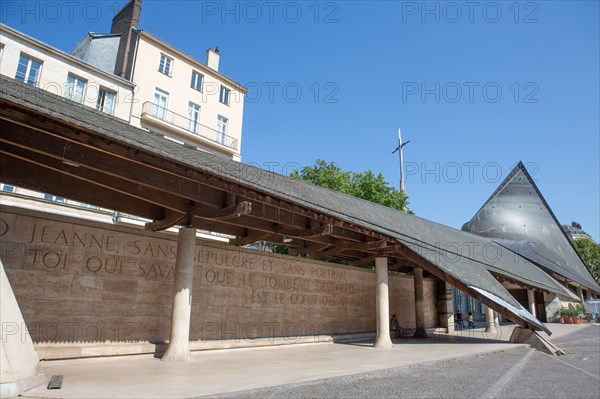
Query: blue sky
[(475, 86)]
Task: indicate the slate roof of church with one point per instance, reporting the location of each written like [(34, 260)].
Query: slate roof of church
[(518, 216)]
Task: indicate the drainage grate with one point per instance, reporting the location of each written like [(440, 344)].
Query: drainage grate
[(55, 382)]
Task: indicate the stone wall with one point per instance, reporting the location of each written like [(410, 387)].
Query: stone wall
[(80, 283)]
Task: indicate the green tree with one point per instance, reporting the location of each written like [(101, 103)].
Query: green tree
[(365, 185), (590, 253)]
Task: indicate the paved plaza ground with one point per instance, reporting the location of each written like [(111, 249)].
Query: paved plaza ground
[(469, 364)]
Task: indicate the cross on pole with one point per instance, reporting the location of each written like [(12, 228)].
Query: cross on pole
[(399, 150)]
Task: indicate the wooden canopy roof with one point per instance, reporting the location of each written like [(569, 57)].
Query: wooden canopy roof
[(53, 145)]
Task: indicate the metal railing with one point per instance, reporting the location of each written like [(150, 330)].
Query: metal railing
[(183, 122)]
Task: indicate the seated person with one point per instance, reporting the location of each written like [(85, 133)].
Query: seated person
[(394, 323)]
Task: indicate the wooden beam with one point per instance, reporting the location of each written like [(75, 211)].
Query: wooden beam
[(114, 166), (233, 211), (379, 247), (319, 234), (167, 170), (196, 183), (396, 251), (364, 261), (333, 251), (250, 238), (169, 221), (22, 173), (218, 227), (102, 165), (310, 249), (114, 183), (321, 231), (442, 275), (364, 246), (501, 278)]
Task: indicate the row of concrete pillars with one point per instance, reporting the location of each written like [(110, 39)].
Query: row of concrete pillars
[(383, 339), (179, 344), (492, 319)]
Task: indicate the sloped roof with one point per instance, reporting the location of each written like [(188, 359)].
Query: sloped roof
[(518, 216), (460, 257)]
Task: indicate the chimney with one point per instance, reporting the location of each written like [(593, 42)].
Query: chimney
[(212, 58), (127, 18)]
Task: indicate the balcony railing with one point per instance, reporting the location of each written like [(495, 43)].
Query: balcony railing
[(185, 123)]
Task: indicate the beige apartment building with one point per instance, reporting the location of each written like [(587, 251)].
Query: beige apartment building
[(33, 62), (36, 63), (134, 76), (176, 95), (190, 102)]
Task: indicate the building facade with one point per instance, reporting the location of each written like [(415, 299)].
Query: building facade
[(136, 77), (33, 62), (176, 95), (36, 63), (575, 232), (189, 101)]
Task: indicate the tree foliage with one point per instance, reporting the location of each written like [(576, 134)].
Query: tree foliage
[(590, 253), (365, 185)]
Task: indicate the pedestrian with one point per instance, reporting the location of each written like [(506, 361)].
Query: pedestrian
[(459, 320), (470, 323)]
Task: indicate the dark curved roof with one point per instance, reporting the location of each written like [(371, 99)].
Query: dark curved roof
[(518, 215), (461, 257)]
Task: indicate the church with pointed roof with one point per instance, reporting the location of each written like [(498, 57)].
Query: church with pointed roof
[(518, 218)]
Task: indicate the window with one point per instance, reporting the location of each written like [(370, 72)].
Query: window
[(88, 206), (165, 65), (75, 88), (106, 100), (222, 128), (193, 116), (54, 198), (7, 188), (161, 99), (196, 81), (224, 95), (28, 70)]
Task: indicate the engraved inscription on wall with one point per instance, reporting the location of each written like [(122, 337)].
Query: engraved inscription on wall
[(85, 281)]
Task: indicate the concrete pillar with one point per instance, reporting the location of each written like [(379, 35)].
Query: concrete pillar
[(420, 331), (490, 326), (179, 344), (582, 298), (531, 301), (497, 319), (580, 293), (445, 306), (382, 301), (19, 364)]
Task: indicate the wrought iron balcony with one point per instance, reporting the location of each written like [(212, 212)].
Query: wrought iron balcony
[(187, 124)]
